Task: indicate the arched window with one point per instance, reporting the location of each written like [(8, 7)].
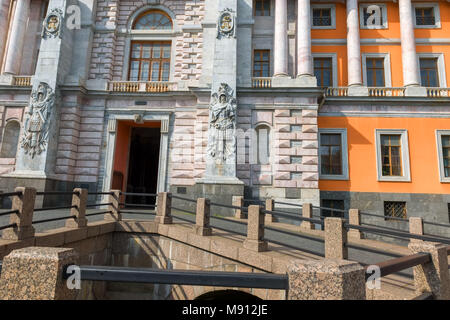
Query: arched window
[(263, 146), (10, 140), (153, 20)]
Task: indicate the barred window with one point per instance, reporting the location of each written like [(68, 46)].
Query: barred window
[(396, 209), (321, 17), (261, 7), (425, 17), (332, 204)]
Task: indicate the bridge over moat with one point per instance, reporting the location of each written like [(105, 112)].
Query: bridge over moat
[(250, 252)]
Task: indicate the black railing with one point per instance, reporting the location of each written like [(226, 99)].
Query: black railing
[(183, 277)]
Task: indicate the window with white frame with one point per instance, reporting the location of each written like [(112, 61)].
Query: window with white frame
[(323, 16), (392, 155), (325, 69), (373, 16), (376, 69), (333, 154), (443, 147), (432, 69), (426, 15)]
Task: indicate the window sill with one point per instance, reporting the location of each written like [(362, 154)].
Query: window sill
[(394, 179), (332, 177)]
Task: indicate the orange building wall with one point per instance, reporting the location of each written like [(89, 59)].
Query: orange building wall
[(362, 155), (392, 32)]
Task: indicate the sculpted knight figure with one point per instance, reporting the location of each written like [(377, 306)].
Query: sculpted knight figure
[(34, 138), (222, 124)]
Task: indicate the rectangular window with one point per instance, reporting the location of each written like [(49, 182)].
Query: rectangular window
[(332, 204), (396, 209), (429, 74), (425, 16), (261, 63), (330, 154), (443, 146), (323, 70), (375, 72), (446, 155), (391, 155), (321, 17), (262, 7), (150, 61)]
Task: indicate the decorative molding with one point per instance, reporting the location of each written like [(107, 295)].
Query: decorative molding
[(112, 125), (165, 126), (226, 25), (51, 27)]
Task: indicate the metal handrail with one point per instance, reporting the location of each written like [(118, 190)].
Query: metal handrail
[(183, 277), (54, 208), (10, 194), (384, 217), (12, 225), (183, 210), (398, 264), (281, 214), (437, 224), (290, 204), (181, 198), (98, 204), (137, 205), (331, 209), (8, 212), (47, 193), (97, 213), (54, 219), (139, 194), (228, 206)]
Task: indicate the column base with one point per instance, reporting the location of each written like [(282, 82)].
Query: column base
[(6, 79), (415, 91), (306, 80)]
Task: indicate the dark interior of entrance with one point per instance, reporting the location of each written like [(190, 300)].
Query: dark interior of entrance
[(143, 164)]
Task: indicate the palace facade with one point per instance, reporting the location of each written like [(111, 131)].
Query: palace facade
[(342, 104)]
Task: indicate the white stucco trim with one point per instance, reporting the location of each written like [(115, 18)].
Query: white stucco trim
[(333, 57), (406, 173), (383, 8), (440, 66), (344, 155), (333, 15), (387, 67), (437, 15), (439, 134)]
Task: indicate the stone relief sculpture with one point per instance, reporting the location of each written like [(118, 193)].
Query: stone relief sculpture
[(222, 124), (226, 24), (35, 131), (52, 24)]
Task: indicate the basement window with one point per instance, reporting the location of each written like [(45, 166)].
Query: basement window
[(394, 209)]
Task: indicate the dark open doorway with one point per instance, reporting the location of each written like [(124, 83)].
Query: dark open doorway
[(143, 164)]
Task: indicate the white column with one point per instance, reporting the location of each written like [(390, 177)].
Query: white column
[(280, 41), (353, 44), (16, 42), (409, 57), (4, 10), (304, 57)]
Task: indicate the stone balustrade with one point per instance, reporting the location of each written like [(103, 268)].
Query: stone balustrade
[(22, 81), (261, 82), (141, 86)]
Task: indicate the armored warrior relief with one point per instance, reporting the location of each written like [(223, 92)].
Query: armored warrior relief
[(35, 131), (222, 111)]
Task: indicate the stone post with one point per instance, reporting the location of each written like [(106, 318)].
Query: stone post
[(255, 230), (433, 276), (163, 209), (201, 226), (354, 219), (327, 279), (24, 204), (114, 207), (307, 213), (416, 227), (79, 200), (335, 239), (238, 201), (36, 273), (280, 41), (270, 204), (17, 37)]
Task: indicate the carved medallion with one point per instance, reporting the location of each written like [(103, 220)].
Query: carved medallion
[(52, 24), (226, 24), (35, 130), (222, 123)]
